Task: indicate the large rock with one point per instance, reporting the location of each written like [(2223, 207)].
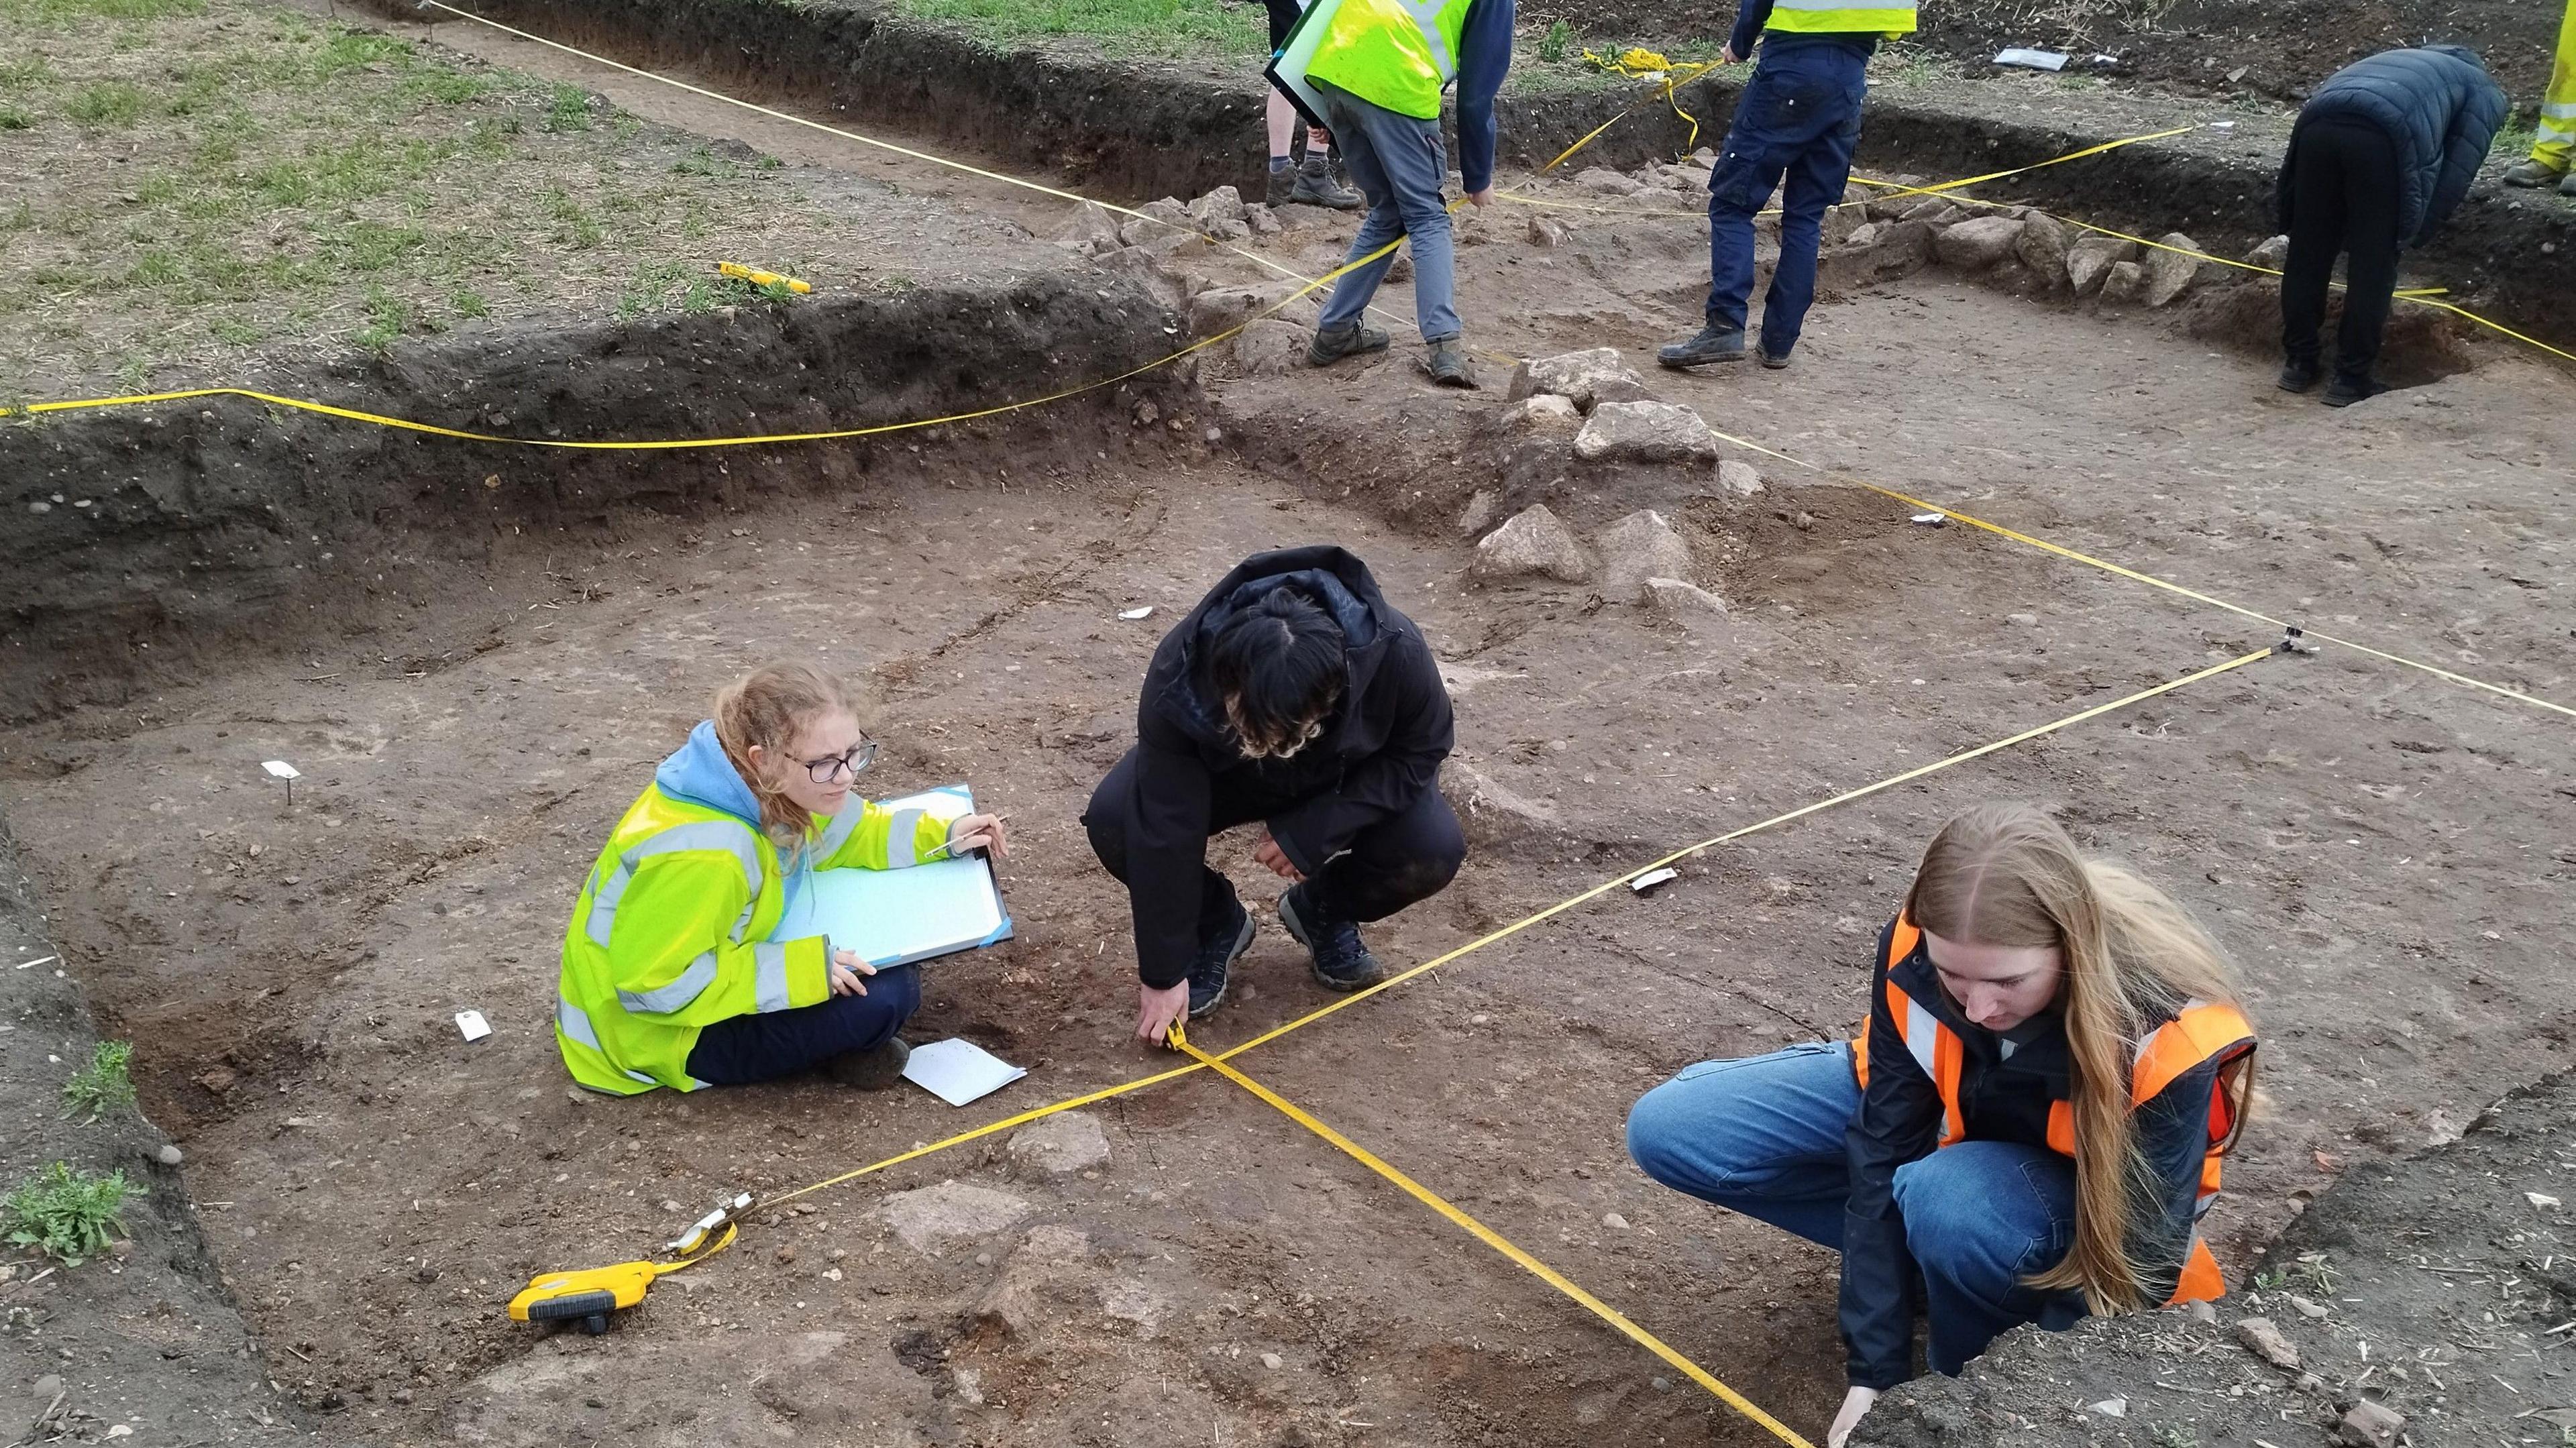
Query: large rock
[(1644, 432), (1545, 230), (1585, 378), (1936, 211), (1739, 479), (1978, 242), (2123, 283), (1636, 548), (1091, 230), (1840, 222), (1547, 415), (1158, 221), (2273, 252), (929, 1218), (1534, 542), (1059, 1145), (1222, 206), (1270, 348), (2042, 247), (2169, 270), (1679, 601), (1602, 181), (2090, 258), (1900, 247)]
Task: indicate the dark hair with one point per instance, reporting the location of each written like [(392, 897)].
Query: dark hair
[(1277, 667)]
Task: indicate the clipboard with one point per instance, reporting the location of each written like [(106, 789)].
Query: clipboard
[(897, 917), (1287, 69)]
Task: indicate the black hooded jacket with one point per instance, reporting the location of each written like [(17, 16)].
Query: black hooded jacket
[(1379, 751), (2437, 106)]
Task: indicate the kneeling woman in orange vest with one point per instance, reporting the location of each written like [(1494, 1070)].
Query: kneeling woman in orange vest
[(670, 974), (2029, 1127)]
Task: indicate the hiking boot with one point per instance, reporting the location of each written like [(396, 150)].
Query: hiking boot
[(873, 1069), (2299, 374), (1341, 960), (1713, 344), (1315, 186), (1216, 957), (1332, 344), (1773, 360), (2532, 173), (2567, 187), (1447, 363), (1283, 185), (2345, 391)]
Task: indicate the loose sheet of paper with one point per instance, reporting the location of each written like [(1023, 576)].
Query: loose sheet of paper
[(958, 1071)]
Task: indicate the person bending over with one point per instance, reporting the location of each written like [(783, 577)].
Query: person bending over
[(2029, 1127), (1292, 695), (670, 974)]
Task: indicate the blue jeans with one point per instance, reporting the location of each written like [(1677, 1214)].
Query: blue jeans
[(1799, 118), (1400, 164), (773, 1044), (1764, 1136)]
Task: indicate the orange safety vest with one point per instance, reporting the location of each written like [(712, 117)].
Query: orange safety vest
[(2202, 1032)]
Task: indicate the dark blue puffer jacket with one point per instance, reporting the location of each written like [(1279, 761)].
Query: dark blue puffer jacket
[(2437, 105)]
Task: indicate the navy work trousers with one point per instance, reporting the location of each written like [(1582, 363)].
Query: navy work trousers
[(1797, 122), (773, 1044)]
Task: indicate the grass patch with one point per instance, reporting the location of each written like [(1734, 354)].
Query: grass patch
[(1552, 47), (469, 303), (14, 119), (67, 12), (1157, 27), (568, 109), (107, 103), (104, 1085), (67, 1215), (388, 317)]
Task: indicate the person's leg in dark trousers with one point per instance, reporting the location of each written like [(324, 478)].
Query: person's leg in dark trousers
[(2317, 191), (1815, 174), (774, 1044), (2370, 254), (1401, 860), (1106, 821)]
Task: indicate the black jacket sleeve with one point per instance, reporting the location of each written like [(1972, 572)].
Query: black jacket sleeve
[(1388, 781), (1166, 849), (2172, 1141), (1899, 1122), (2473, 127)]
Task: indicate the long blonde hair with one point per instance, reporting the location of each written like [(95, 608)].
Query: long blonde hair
[(2007, 874), (769, 706)]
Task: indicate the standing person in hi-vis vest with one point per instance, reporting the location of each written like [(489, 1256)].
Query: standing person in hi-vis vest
[(1798, 120), (2029, 1127), (670, 975), (1375, 71), (2554, 146)]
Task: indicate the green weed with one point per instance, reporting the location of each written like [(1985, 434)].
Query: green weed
[(67, 1215), (388, 317), (1552, 46), (574, 227), (349, 50), (702, 162), (235, 331), (24, 73), (14, 119), (2174, 1435), (104, 1085), (106, 103), (469, 303), (568, 109)]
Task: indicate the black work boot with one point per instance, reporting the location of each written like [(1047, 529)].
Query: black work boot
[(1219, 949), (1713, 344), (2299, 374), (1773, 360), (2345, 391), (1447, 363), (873, 1069), (1282, 185), (1341, 959), (1315, 186), (1332, 344)]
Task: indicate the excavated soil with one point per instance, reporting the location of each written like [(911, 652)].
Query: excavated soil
[(2384, 851)]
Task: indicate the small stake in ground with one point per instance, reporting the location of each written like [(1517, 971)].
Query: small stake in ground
[(280, 769)]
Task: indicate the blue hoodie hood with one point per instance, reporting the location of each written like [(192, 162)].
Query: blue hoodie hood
[(699, 772)]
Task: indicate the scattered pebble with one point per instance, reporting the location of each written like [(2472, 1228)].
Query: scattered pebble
[(2371, 1425), (2022, 620), (1270, 1360), (170, 1155), (2306, 1308), (2266, 1342), (2109, 1407), (48, 1385), (1613, 1219), (1478, 1019)]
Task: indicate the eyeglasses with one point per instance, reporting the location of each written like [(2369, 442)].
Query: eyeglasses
[(832, 766)]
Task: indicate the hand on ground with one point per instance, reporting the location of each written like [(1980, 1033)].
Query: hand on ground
[(844, 970), (1158, 1010), (1269, 856), (1855, 1405)]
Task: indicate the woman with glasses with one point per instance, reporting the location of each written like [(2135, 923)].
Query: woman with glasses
[(670, 977)]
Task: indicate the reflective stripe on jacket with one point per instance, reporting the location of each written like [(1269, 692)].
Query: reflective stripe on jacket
[(670, 933), (2201, 1034), (1830, 17)]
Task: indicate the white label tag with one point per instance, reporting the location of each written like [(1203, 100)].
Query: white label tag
[(472, 1024)]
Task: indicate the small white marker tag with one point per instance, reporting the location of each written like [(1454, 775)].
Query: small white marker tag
[(1931, 520), (472, 1024), (1133, 614), (281, 769), (1652, 878)]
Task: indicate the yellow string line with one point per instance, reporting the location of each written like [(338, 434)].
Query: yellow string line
[(2420, 296), (1517, 926), (1499, 1243)]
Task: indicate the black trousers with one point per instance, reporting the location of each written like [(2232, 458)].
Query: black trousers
[(1400, 860), (2343, 199)]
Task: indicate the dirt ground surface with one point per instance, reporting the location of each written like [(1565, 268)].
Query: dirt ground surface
[(2384, 852)]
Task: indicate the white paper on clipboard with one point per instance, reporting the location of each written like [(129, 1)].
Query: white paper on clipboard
[(896, 917)]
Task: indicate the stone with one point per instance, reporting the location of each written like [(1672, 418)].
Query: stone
[(1060, 1145), (2090, 259), (1260, 220), (1686, 604), (1644, 432), (1271, 1360), (1892, 202), (1614, 1221), (2042, 246), (2307, 1309), (1863, 235), (1840, 222), (2022, 620), (2266, 1342), (170, 1155), (1586, 378), (1936, 211), (1533, 541), (1545, 230), (1220, 308), (2202, 1312), (1602, 181), (2109, 1407), (1224, 204), (1977, 243), (1546, 413), (1479, 512), (928, 1218), (1091, 230), (1638, 547), (2169, 272), (1739, 479), (1901, 248), (2124, 283), (2371, 1425), (2272, 252), (46, 1387), (1270, 348)]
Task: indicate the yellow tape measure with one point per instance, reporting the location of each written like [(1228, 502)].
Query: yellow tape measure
[(760, 278), (591, 1294)]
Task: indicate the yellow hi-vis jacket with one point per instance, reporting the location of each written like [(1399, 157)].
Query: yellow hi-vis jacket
[(1838, 17), (670, 934), (1400, 54)]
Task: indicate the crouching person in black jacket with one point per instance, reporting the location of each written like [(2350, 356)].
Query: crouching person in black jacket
[(1293, 695)]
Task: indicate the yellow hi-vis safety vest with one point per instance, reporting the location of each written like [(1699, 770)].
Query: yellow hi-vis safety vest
[(1400, 54), (671, 933), (1832, 17)]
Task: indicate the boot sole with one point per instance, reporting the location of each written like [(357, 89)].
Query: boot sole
[(1242, 943), (1316, 358), (1297, 932)]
